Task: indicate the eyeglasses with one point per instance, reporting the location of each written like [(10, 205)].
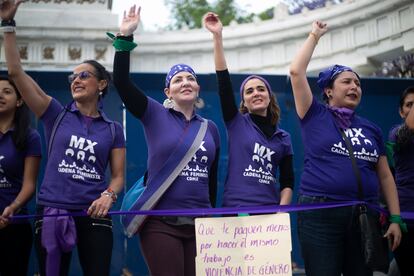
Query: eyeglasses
[(82, 76)]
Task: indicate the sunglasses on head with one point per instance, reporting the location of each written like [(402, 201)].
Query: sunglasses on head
[(82, 76)]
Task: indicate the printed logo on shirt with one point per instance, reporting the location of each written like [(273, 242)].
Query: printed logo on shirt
[(198, 166), (4, 183), (80, 158), (363, 147), (262, 167)]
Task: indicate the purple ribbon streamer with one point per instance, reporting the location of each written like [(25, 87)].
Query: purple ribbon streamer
[(231, 210)]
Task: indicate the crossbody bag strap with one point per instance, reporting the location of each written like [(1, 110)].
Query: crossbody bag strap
[(54, 129), (158, 185), (354, 165)]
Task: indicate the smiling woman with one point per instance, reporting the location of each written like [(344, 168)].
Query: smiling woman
[(265, 148), (20, 153), (196, 183), (79, 134)]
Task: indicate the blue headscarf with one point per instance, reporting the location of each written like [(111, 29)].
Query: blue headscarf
[(177, 69), (329, 74)]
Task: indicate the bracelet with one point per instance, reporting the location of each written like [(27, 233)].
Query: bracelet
[(398, 220), (314, 37), (122, 44), (10, 22), (110, 193), (8, 29)]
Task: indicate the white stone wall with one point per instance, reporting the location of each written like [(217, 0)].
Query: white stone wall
[(58, 34), (362, 34)]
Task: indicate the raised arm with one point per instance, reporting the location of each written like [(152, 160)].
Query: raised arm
[(134, 99), (35, 98), (300, 86), (213, 24)]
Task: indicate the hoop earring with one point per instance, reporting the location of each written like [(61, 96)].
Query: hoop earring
[(199, 103), (168, 103)]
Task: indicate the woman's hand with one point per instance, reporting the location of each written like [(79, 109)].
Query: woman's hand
[(130, 21), (319, 28), (100, 207), (8, 9), (8, 212), (211, 22), (394, 235)]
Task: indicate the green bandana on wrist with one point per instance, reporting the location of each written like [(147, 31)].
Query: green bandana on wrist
[(121, 44)]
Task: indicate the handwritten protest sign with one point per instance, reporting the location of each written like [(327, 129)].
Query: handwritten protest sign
[(252, 245)]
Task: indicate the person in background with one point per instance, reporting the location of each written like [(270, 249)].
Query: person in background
[(81, 142), (20, 153), (402, 145), (258, 148), (168, 243), (330, 239)]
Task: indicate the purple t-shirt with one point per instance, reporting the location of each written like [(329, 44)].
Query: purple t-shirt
[(75, 170), (327, 167), (163, 129), (404, 172), (12, 164), (253, 163)]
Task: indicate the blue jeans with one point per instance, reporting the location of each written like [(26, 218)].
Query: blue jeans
[(330, 240)]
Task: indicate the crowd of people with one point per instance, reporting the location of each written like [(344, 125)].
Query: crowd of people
[(82, 142)]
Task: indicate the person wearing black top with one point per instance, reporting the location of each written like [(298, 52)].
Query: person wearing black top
[(253, 131), (168, 243)]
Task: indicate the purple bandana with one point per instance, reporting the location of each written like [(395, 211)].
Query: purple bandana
[(58, 235), (177, 69), (343, 116), (254, 77), (330, 73)]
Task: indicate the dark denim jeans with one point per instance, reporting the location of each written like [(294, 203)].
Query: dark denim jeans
[(330, 240)]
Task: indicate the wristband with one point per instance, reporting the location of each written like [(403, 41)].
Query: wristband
[(398, 220), (10, 22), (110, 193), (122, 43)]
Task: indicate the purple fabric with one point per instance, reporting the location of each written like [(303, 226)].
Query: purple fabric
[(327, 168), (330, 73), (404, 172), (12, 164), (269, 88), (75, 171), (253, 163), (177, 69), (342, 116), (58, 235), (191, 187)]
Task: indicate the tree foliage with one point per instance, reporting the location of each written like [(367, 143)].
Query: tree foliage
[(190, 12)]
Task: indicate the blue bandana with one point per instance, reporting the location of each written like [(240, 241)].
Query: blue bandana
[(329, 74), (177, 69), (254, 77)]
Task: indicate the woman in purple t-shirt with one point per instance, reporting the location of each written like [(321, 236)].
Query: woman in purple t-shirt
[(402, 142), (20, 153), (330, 238), (82, 142), (264, 148), (168, 243)]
